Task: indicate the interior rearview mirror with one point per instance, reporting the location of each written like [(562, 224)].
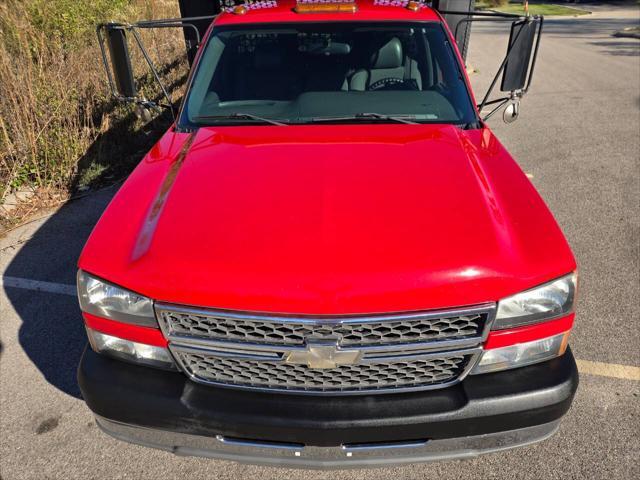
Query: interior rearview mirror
[(121, 62), (519, 55), (332, 49)]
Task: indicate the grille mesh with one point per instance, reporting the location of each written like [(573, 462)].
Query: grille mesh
[(283, 376), (385, 332), (396, 352)]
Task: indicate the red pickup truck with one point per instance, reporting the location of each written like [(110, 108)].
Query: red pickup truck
[(329, 260)]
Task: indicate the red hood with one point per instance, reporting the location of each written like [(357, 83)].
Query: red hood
[(328, 220)]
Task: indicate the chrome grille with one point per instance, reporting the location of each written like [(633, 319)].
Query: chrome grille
[(330, 355), (283, 376), (286, 331)]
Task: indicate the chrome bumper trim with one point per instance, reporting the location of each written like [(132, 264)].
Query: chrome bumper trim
[(344, 456)]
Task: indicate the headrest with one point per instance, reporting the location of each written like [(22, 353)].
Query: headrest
[(389, 55)]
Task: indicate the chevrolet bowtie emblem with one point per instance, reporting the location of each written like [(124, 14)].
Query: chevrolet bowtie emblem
[(323, 355)]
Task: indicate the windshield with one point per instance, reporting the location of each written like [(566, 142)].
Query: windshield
[(324, 72)]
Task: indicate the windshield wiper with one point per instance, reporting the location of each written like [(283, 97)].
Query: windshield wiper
[(469, 125), (367, 116), (239, 116)]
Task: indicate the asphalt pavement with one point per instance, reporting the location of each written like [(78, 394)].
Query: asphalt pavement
[(578, 137)]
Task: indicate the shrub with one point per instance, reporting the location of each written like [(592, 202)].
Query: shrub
[(497, 3), (56, 115)]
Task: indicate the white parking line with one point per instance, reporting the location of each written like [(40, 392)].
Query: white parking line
[(38, 285), (611, 370)]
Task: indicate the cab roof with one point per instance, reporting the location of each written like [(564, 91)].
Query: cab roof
[(275, 11)]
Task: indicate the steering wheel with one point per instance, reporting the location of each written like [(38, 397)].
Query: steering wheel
[(385, 83)]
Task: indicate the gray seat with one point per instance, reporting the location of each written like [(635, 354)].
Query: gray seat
[(387, 62)]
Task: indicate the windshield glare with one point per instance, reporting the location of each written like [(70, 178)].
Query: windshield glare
[(315, 72)]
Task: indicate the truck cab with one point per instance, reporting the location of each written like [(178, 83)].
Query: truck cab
[(328, 260)]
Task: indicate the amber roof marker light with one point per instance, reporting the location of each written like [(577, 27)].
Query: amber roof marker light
[(413, 6), (240, 10), (314, 6)]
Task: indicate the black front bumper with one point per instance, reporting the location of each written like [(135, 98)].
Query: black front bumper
[(485, 404)]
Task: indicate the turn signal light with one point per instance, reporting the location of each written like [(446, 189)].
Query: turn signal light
[(130, 351), (132, 343), (522, 354), (521, 346)]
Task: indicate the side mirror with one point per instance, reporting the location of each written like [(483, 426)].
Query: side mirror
[(117, 62), (519, 53), (511, 112), (123, 82)]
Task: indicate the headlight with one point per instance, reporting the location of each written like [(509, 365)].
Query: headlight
[(121, 323), (542, 303), (530, 327), (106, 300)]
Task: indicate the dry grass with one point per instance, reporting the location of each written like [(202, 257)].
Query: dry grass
[(57, 122), (496, 3)]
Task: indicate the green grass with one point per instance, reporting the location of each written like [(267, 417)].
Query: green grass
[(546, 9)]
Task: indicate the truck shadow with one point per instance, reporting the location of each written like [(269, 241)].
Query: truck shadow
[(52, 333)]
